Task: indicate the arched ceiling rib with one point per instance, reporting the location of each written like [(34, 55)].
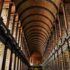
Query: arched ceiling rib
[(40, 15), (37, 18)]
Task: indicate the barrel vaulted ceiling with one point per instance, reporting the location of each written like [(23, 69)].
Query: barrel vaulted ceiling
[(37, 17)]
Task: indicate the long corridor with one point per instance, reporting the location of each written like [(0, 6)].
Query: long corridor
[(34, 34)]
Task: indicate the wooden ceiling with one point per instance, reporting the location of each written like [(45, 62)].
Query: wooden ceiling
[(37, 18)]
